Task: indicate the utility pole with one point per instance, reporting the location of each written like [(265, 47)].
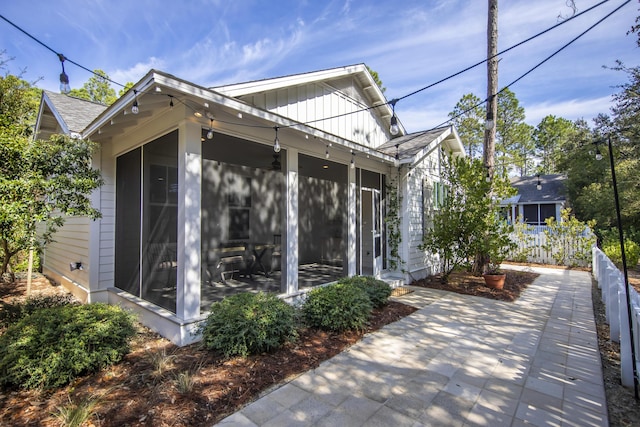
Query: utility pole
[(489, 151)]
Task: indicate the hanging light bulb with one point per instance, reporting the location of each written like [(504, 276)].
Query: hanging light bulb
[(393, 128), (170, 101), (276, 141), (598, 153), (538, 184), (134, 108), (326, 153), (64, 79), (353, 161), (210, 133)]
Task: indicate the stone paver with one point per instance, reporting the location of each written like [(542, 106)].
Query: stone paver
[(458, 361)]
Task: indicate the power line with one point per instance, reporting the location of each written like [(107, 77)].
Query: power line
[(395, 100)]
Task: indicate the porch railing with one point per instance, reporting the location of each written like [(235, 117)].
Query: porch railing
[(611, 283)]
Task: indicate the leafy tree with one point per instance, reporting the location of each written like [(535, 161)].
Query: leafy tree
[(40, 181), (96, 89), (125, 89), (468, 116), (512, 134), (550, 137), (589, 185), (468, 223)]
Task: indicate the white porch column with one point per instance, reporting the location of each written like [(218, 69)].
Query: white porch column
[(351, 223), (290, 238), (189, 209)]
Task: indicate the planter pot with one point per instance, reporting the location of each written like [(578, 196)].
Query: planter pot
[(495, 281)]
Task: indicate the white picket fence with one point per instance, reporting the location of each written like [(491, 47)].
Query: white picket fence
[(531, 244), (611, 283)]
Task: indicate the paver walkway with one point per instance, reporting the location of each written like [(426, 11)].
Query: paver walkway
[(458, 361)]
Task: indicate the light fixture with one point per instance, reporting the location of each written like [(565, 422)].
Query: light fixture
[(538, 184), (488, 177), (276, 141), (170, 101), (353, 161), (598, 153), (210, 133), (489, 123), (64, 79), (134, 108), (393, 128), (198, 113), (326, 153)]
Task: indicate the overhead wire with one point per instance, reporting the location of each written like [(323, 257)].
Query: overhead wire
[(395, 100)]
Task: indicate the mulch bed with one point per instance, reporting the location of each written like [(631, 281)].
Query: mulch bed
[(463, 282)]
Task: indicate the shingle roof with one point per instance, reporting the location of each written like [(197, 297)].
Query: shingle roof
[(553, 188), (77, 113), (410, 145)]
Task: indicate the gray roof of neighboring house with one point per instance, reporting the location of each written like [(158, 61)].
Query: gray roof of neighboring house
[(553, 188), (77, 113), (408, 146)]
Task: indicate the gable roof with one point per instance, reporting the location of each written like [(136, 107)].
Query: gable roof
[(414, 147), (358, 72), (553, 188), (61, 113)]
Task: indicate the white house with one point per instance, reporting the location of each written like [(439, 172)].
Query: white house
[(539, 197), (275, 185)]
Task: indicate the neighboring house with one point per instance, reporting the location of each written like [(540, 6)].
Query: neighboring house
[(539, 198), (274, 185)]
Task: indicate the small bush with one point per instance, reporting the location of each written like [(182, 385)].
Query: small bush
[(337, 307), (377, 290), (247, 323), (54, 345), (12, 312), (612, 248)]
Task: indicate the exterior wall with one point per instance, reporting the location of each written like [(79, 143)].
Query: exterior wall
[(307, 102), (419, 263), (71, 245)]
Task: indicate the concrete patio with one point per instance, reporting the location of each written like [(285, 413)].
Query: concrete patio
[(458, 361)]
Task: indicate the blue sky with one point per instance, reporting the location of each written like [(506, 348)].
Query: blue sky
[(411, 44)]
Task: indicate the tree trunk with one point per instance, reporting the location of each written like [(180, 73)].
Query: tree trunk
[(489, 148), (492, 88), (29, 271)]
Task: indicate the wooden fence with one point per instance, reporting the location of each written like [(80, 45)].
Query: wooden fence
[(613, 288), (532, 246)]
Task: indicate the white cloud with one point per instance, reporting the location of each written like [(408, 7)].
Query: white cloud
[(571, 109), (138, 71)]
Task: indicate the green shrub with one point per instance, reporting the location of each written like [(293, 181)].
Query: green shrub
[(247, 323), (377, 290), (337, 307), (54, 345), (12, 312), (611, 248)]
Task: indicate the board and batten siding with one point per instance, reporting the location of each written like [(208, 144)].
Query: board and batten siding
[(347, 113), (106, 226), (419, 263)]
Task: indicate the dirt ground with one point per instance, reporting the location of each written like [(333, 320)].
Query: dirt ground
[(147, 388)]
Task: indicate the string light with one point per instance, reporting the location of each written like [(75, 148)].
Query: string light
[(538, 184), (210, 133), (326, 153), (276, 141), (64, 79), (353, 160), (134, 108), (170, 101), (394, 129)]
